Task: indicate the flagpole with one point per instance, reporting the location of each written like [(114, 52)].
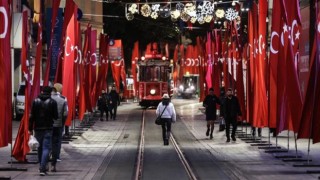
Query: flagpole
[(288, 138)]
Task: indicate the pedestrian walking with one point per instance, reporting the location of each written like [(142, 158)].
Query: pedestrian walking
[(58, 123), (222, 98), (114, 102), (168, 116), (102, 105), (210, 102), (43, 113), (231, 111), (253, 131)]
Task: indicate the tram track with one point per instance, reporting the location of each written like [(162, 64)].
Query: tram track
[(141, 149)]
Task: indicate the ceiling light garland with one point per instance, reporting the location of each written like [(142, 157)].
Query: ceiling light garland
[(203, 12)]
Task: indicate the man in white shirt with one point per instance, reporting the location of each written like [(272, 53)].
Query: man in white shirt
[(167, 112)]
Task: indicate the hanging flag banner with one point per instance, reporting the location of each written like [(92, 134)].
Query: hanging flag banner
[(21, 148), (56, 38), (5, 75), (115, 49)]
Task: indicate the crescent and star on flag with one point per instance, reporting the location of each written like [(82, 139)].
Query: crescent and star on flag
[(5, 15), (286, 29)]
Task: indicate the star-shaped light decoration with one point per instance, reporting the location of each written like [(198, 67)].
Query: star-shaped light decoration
[(206, 8), (220, 13), (155, 7), (129, 16), (154, 15), (193, 19), (190, 9), (184, 16), (175, 14), (208, 18), (145, 10), (201, 20), (231, 14), (179, 6), (133, 8), (165, 11)]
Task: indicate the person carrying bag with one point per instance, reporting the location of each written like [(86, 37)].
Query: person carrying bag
[(158, 120), (166, 112)]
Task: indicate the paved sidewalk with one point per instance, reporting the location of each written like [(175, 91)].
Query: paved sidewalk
[(81, 158)]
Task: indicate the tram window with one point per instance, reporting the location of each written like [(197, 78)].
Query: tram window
[(154, 73)]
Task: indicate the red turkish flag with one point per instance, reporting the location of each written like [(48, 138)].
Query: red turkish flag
[(260, 110), (209, 61), (68, 12), (275, 56), (309, 124), (5, 75), (252, 31), (35, 90), (215, 68), (103, 66), (70, 55), (123, 75), (288, 89), (87, 70), (93, 66), (116, 72), (21, 148), (294, 101), (134, 59), (175, 65)]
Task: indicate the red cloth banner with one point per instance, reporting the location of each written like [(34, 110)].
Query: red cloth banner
[(21, 148), (260, 110), (70, 54), (116, 72), (35, 90), (5, 75), (87, 68), (134, 59), (252, 31), (93, 65), (309, 124), (102, 67), (209, 62), (116, 48)]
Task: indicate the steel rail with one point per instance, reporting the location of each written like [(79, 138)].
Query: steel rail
[(139, 168), (184, 161)]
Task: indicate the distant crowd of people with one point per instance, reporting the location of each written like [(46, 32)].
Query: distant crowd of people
[(108, 104)]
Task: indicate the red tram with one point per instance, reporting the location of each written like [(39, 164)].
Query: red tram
[(153, 79)]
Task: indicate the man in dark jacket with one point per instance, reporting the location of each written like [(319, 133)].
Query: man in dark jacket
[(210, 102), (102, 105), (43, 112), (114, 102), (231, 111)]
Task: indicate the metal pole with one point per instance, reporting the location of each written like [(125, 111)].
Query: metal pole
[(296, 146), (269, 138), (288, 140), (308, 156)]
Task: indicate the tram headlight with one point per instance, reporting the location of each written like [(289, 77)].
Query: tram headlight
[(181, 87), (143, 58), (152, 91), (192, 87)]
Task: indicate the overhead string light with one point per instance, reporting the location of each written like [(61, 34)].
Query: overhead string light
[(201, 12)]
